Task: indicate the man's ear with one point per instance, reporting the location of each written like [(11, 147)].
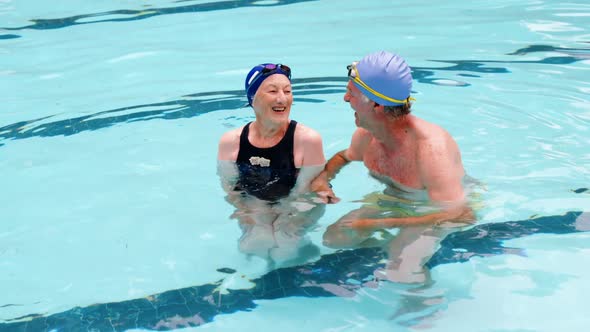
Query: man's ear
[(376, 106)]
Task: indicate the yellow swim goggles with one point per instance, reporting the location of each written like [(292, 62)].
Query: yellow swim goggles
[(354, 75)]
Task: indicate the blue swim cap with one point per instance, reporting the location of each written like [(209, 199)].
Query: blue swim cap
[(259, 73), (387, 78)]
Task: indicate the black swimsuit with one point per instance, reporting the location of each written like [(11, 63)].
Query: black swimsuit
[(267, 173)]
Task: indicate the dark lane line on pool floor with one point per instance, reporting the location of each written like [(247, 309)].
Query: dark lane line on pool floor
[(338, 274)]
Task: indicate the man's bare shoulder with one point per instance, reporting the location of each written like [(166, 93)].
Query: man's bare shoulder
[(429, 131), (361, 136), (359, 143), (438, 141), (437, 149), (433, 140)]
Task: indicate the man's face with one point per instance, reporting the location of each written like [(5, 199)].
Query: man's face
[(358, 102), (274, 98)]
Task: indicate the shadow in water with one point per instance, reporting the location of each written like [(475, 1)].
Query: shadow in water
[(125, 15), (204, 102), (338, 274), (9, 36), (186, 107)]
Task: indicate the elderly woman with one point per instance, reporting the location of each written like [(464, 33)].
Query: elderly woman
[(267, 165)]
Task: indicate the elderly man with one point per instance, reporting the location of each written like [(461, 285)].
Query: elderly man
[(415, 159)]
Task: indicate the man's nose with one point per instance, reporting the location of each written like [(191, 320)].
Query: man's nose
[(347, 97)]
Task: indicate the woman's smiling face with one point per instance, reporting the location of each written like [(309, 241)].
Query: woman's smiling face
[(274, 97)]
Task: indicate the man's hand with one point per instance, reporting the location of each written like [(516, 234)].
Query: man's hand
[(323, 189), (362, 224), (327, 196)]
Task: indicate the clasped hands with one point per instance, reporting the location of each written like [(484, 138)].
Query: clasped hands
[(323, 190)]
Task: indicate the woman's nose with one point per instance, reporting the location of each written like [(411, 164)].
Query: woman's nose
[(281, 97)]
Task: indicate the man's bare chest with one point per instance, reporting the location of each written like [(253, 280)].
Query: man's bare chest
[(401, 165)]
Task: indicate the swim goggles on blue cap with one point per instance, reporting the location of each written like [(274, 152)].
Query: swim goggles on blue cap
[(354, 75), (268, 70)]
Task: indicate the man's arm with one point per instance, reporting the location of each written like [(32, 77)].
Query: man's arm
[(458, 214), (321, 184), (333, 166), (441, 171)]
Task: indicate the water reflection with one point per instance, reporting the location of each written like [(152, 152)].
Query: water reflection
[(308, 90), (343, 273), (125, 15)]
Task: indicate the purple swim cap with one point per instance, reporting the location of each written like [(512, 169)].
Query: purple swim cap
[(259, 73), (387, 75)]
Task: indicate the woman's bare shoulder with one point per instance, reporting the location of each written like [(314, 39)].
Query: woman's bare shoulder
[(307, 134), (229, 144), (231, 136)]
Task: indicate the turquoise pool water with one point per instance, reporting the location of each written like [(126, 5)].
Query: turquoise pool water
[(112, 217)]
